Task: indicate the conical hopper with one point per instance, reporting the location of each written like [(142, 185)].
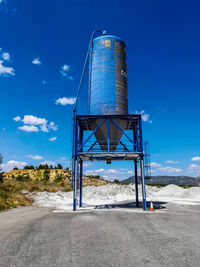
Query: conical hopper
[(102, 133)]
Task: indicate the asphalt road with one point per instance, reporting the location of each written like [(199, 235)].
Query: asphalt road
[(39, 237)]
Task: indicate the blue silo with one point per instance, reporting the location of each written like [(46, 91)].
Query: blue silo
[(108, 78), (108, 86)]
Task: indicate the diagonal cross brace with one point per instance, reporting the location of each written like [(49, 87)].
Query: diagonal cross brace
[(122, 131), (92, 134)]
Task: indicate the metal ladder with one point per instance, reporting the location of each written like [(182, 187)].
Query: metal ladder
[(147, 165)]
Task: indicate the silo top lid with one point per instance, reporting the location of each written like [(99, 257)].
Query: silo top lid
[(109, 37)]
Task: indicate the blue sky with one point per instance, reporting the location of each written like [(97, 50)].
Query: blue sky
[(43, 46)]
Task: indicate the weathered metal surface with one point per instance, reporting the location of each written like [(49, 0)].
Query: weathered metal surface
[(108, 86), (108, 77)]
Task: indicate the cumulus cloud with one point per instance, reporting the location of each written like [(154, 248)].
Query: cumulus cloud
[(194, 169), (155, 164), (52, 126), (66, 101), (35, 157), (44, 128), (103, 171), (37, 61), (87, 164), (39, 124), (64, 70), (6, 56), (145, 116), (33, 120), (172, 161), (17, 118), (13, 163), (6, 71), (52, 139), (169, 170), (195, 159), (28, 128)]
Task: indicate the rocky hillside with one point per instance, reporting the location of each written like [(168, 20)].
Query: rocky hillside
[(51, 175)]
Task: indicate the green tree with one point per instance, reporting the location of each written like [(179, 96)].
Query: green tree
[(60, 167), (15, 168)]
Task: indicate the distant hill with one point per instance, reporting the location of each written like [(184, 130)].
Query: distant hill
[(178, 180)]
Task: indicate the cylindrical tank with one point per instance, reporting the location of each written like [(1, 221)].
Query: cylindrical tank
[(108, 79), (108, 88)]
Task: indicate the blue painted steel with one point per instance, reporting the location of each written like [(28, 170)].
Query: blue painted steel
[(108, 78), (92, 134), (136, 184), (137, 146), (108, 129), (122, 131), (81, 182)]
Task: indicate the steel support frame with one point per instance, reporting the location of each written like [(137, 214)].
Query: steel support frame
[(78, 144)]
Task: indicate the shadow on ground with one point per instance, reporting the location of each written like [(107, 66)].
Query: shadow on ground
[(131, 205)]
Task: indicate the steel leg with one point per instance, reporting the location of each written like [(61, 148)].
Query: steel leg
[(143, 183), (136, 184), (75, 186), (81, 182)]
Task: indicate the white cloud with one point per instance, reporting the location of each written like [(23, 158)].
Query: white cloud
[(194, 169), (112, 171), (154, 164), (169, 170), (103, 171), (53, 126), (28, 128), (17, 118), (6, 56), (66, 101), (48, 162), (145, 116), (37, 61), (5, 71), (65, 71), (33, 120), (130, 172), (172, 161), (87, 164), (30, 120), (35, 157), (195, 159), (44, 128), (13, 163), (52, 139), (94, 172)]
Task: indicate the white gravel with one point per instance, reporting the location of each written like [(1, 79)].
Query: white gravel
[(112, 193)]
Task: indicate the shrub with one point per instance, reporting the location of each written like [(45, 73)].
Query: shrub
[(46, 175), (23, 178)]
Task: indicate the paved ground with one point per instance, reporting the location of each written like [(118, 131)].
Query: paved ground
[(119, 237)]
